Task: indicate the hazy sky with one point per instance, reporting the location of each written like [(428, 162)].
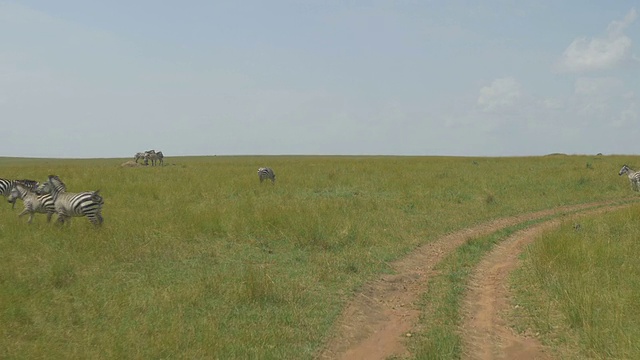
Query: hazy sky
[(109, 78)]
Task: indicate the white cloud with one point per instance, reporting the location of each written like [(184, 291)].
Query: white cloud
[(599, 86), (502, 94), (600, 53)]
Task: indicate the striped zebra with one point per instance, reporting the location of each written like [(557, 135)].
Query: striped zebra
[(6, 185), (145, 155), (33, 203), (160, 156), (634, 177), (138, 156), (266, 173), (155, 157), (68, 205)]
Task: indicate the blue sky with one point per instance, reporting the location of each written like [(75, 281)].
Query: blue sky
[(85, 79)]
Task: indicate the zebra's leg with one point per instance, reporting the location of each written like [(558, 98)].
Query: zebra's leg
[(25, 211), (61, 218), (96, 219), (49, 215)]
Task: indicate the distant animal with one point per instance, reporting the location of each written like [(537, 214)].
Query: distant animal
[(266, 173), (149, 155), (634, 177), (155, 157), (33, 203), (138, 156), (67, 205), (6, 185)]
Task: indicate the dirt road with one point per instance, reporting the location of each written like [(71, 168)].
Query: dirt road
[(374, 324)]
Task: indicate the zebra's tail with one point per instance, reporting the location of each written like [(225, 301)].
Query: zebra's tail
[(97, 198)]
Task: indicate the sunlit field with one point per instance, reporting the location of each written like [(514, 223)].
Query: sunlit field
[(590, 276), (198, 259)]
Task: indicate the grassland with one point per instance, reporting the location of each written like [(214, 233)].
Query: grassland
[(585, 288), (197, 259)]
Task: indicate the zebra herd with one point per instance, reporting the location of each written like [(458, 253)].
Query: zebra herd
[(150, 155), (52, 197)]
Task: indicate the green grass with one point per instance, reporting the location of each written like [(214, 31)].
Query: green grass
[(197, 259), (585, 288)]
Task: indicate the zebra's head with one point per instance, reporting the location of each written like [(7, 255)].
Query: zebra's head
[(56, 183), (15, 194), (43, 189), (53, 186), (625, 169)]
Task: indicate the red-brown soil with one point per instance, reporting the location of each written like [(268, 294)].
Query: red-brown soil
[(381, 315)]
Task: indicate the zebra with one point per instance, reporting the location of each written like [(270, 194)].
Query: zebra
[(33, 202), (634, 177), (138, 156), (266, 173), (160, 156), (154, 157), (6, 185), (144, 156), (67, 205)]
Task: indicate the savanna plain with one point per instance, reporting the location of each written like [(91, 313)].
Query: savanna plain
[(198, 259)]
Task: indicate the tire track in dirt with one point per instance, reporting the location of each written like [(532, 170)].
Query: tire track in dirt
[(374, 323), (486, 335)]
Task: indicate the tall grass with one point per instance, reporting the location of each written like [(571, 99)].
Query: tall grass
[(197, 259), (590, 277)]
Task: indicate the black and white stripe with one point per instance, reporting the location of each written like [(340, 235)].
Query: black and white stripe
[(6, 185), (33, 203), (67, 205), (155, 157), (138, 156), (266, 173), (634, 177)]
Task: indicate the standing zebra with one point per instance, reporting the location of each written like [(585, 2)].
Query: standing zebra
[(6, 185), (265, 173), (33, 202), (154, 157), (160, 157), (634, 177), (68, 205)]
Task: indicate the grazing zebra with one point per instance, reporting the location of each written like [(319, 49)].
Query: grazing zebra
[(634, 177), (33, 203), (144, 156), (68, 205), (266, 173), (6, 186), (138, 156)]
